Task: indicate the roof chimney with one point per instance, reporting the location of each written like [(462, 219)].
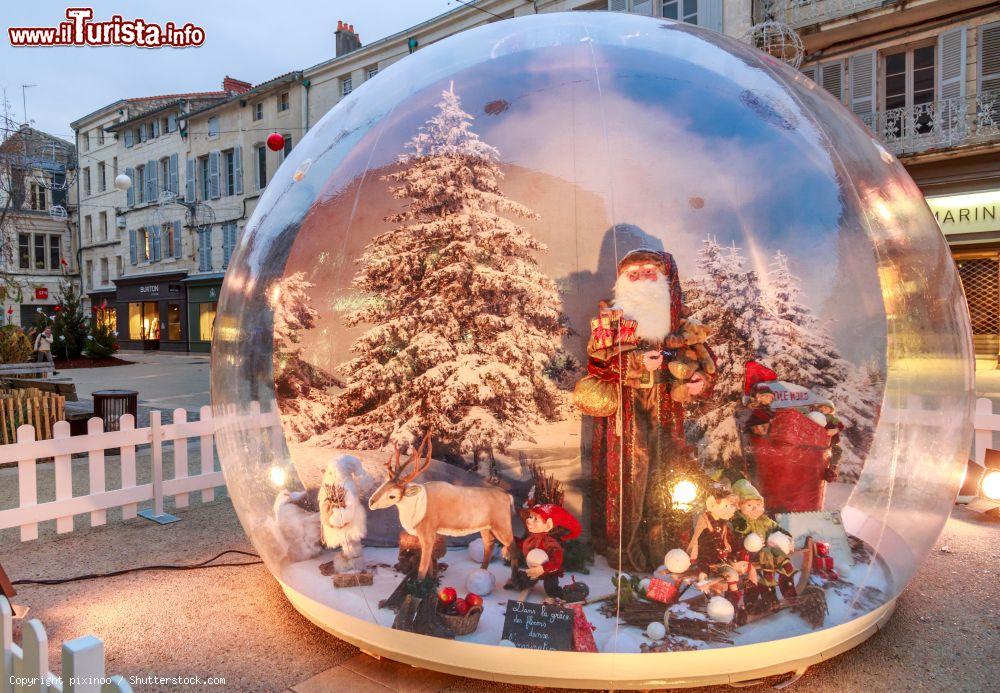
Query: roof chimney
[(234, 86), (345, 38)]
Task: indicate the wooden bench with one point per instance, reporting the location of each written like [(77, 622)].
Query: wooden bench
[(57, 386), (36, 370)]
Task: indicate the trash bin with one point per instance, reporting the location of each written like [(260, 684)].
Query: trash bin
[(111, 405)]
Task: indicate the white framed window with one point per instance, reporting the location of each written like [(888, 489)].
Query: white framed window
[(88, 228), (103, 226), (213, 127), (204, 179), (36, 196), (228, 172), (100, 136), (90, 274), (681, 10), (102, 177), (86, 181), (283, 102), (371, 71), (908, 82), (288, 147), (260, 166), (205, 249), (258, 110), (167, 236), (85, 140), (139, 184), (164, 177), (346, 86), (105, 272)]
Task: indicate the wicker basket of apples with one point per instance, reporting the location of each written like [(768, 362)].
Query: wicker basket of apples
[(460, 614)]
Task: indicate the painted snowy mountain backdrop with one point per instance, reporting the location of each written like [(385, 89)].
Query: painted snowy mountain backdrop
[(463, 307)]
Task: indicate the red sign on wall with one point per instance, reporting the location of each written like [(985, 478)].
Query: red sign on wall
[(41, 294)]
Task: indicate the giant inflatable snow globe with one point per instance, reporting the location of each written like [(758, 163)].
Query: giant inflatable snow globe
[(593, 350)]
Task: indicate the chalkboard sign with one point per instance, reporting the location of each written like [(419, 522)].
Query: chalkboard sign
[(538, 626)]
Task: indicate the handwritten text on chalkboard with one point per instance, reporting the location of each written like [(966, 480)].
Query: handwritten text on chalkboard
[(538, 626)]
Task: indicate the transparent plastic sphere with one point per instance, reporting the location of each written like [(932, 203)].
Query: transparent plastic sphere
[(630, 271)]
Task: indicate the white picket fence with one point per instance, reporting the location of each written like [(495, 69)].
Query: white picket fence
[(986, 422), (25, 667), (27, 452)]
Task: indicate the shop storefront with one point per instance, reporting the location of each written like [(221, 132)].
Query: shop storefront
[(102, 305), (203, 300), (970, 222), (150, 312)]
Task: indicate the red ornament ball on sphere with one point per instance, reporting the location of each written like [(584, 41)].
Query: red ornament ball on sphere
[(461, 607), (447, 595), (275, 142), (473, 599)]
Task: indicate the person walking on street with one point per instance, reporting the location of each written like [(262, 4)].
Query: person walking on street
[(43, 345)]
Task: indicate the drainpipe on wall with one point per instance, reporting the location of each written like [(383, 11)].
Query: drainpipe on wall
[(79, 227), (305, 105)]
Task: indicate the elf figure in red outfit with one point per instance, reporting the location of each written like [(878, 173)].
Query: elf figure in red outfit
[(549, 527)]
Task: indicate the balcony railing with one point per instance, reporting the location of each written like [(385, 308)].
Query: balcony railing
[(802, 13), (939, 124)]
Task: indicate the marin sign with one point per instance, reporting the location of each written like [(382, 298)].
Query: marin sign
[(538, 626)]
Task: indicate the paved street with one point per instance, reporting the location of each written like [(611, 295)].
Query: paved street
[(164, 379)]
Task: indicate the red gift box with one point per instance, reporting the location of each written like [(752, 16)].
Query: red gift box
[(661, 591)]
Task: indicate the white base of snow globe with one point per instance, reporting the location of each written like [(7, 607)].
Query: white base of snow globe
[(595, 670)]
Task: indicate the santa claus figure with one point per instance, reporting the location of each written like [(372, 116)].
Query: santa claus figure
[(635, 344)]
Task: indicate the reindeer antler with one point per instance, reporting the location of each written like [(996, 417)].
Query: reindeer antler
[(393, 466), (422, 457)]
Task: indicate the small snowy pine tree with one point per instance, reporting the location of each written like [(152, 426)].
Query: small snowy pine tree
[(728, 299), (300, 387), (462, 320)]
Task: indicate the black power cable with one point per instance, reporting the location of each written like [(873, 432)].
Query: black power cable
[(195, 566)]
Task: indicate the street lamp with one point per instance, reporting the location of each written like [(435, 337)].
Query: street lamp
[(122, 182)]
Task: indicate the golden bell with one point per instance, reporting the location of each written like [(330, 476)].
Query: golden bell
[(680, 370)]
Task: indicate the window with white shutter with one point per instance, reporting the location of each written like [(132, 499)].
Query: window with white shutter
[(132, 248), (618, 5), (189, 180), (174, 184), (831, 78), (178, 241), (642, 6), (862, 68), (130, 193), (238, 169), (214, 188), (152, 189), (205, 249), (128, 138), (989, 59), (951, 84)]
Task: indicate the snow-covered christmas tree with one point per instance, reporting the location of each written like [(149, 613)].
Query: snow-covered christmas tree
[(462, 319), (801, 350), (727, 297), (300, 387), (774, 327)]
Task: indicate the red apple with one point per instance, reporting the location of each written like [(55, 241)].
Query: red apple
[(473, 599), (447, 595), (461, 607)]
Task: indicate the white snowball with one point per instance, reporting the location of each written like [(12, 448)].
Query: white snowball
[(536, 557), (656, 630), (721, 610), (476, 550), (644, 585), (677, 561), (780, 541), (753, 542), (480, 582), (818, 418)]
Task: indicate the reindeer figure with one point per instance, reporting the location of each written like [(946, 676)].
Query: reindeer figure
[(437, 507)]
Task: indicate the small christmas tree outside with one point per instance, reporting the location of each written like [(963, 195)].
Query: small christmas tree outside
[(462, 320), (69, 328)]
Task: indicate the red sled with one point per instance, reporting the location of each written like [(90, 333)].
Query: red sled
[(790, 462)]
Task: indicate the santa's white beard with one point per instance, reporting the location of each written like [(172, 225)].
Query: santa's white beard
[(648, 303)]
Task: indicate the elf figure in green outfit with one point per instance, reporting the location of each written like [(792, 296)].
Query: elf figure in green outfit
[(768, 545)]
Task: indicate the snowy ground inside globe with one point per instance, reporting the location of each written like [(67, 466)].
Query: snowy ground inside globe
[(862, 588)]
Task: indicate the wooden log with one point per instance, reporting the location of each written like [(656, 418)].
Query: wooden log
[(362, 579)]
